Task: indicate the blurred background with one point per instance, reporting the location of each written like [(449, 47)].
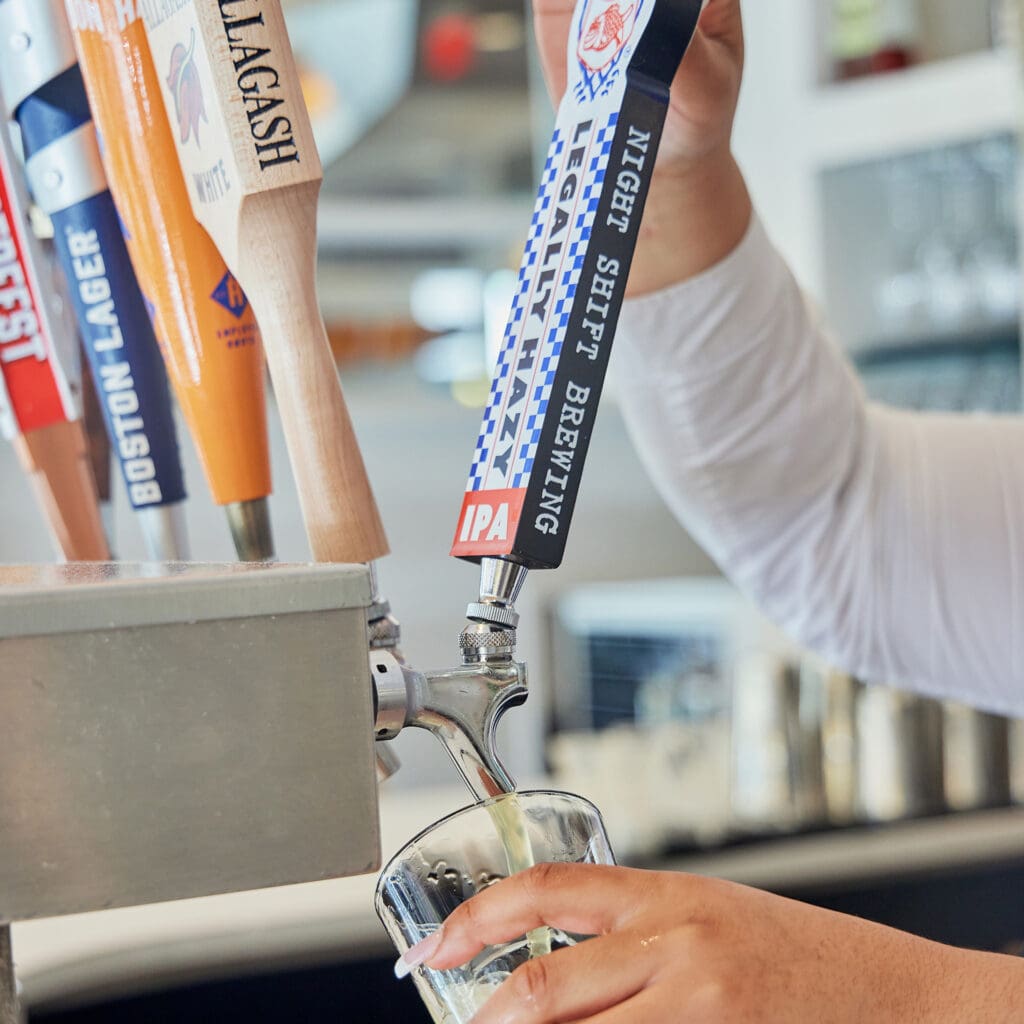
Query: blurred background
[(880, 139)]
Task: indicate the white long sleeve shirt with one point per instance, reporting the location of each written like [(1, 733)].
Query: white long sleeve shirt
[(890, 542)]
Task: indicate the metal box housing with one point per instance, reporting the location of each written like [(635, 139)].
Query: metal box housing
[(169, 732)]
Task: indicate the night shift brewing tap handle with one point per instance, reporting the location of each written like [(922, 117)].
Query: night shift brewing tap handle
[(623, 55), (43, 88), (246, 148)]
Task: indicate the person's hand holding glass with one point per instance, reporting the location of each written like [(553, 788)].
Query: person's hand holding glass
[(466, 854)]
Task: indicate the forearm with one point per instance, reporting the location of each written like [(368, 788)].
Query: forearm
[(977, 988), (896, 977), (695, 216), (884, 540)]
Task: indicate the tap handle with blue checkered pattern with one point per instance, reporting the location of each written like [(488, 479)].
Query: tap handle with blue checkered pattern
[(42, 88), (623, 55)]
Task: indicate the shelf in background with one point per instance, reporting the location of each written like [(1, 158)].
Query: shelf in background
[(851, 857), (996, 339), (924, 107)]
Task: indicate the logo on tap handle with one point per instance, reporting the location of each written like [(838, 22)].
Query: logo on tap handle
[(606, 30), (187, 89)]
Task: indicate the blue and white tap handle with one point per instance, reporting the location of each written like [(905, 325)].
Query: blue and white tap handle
[(622, 58), (42, 87)]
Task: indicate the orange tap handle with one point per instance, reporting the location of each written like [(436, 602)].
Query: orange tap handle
[(204, 323)]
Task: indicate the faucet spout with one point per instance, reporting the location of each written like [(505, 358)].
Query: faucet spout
[(461, 706)]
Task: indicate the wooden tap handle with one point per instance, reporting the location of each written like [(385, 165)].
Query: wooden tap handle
[(277, 269), (245, 144)]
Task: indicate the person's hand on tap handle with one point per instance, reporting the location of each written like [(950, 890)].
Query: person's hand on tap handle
[(705, 91), (698, 208), (674, 948)]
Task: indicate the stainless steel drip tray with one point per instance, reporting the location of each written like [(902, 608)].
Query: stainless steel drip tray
[(169, 732)]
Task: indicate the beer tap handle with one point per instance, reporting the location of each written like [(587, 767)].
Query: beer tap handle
[(246, 148), (537, 426), (38, 410), (43, 90), (207, 328)]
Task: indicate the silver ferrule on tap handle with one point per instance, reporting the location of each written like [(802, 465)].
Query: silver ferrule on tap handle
[(501, 581), (249, 522)]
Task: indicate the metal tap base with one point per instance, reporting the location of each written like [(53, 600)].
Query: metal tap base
[(164, 532), (9, 1010), (385, 633), (167, 737)]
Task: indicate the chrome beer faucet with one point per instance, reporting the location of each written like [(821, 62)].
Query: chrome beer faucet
[(461, 706)]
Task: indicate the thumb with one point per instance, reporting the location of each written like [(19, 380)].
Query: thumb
[(551, 22), (722, 22)]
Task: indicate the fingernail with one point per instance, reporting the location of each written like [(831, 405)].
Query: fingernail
[(418, 954)]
